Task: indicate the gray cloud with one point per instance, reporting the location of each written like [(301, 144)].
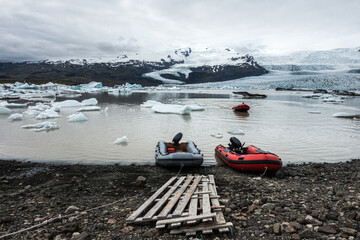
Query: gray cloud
[(37, 29)]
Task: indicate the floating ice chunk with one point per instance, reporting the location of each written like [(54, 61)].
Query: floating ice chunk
[(121, 140), (56, 108), (346, 115), (195, 107), (149, 103), (39, 107), (67, 103), (49, 113), (315, 112), (31, 113), (236, 132), (43, 126), (171, 108), (90, 108), (332, 99), (77, 117), (4, 110), (89, 102), (16, 116), (106, 109), (312, 95), (12, 105), (217, 135)]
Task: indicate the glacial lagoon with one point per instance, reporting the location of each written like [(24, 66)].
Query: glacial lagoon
[(295, 128)]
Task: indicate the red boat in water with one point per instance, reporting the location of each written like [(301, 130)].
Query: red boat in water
[(241, 108), (249, 158)]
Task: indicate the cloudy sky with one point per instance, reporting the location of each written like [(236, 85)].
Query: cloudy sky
[(60, 29)]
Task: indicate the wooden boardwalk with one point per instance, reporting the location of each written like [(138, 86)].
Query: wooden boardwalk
[(187, 204)]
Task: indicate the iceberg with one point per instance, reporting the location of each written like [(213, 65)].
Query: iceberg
[(217, 135), (77, 117), (195, 107), (90, 108), (89, 102), (12, 105), (149, 103), (49, 113), (16, 116), (67, 103), (346, 115), (236, 132), (39, 107), (43, 126), (171, 108), (121, 140), (31, 113), (4, 110)]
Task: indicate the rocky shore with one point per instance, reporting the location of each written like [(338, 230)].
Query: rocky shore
[(307, 201)]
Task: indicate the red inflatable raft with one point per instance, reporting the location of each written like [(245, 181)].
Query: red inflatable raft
[(249, 158), (241, 108)]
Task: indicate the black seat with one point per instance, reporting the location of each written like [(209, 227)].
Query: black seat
[(235, 145), (177, 138)]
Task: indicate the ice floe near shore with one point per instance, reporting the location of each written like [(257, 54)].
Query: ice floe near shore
[(122, 140), (346, 115), (15, 117), (43, 126), (5, 110), (48, 113), (172, 108), (89, 108), (236, 132), (12, 105), (77, 117)]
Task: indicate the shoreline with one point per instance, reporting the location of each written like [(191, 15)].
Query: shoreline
[(310, 200)]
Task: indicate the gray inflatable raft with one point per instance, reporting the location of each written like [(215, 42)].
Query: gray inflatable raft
[(185, 154)]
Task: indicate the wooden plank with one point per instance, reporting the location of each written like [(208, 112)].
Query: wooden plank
[(171, 203), (135, 214), (200, 227), (155, 218), (206, 208), (163, 200), (209, 231), (193, 206), (182, 204), (184, 219), (215, 201)]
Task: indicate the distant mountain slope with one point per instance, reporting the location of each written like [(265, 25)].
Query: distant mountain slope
[(181, 66)]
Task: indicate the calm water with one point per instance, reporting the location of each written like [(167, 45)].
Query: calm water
[(280, 123)]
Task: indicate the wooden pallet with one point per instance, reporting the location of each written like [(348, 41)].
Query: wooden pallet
[(186, 205)]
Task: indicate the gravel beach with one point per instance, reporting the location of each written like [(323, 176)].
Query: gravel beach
[(307, 201)]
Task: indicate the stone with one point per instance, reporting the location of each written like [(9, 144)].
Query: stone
[(7, 219), (111, 221), (295, 236), (75, 235), (71, 209), (127, 229), (82, 236), (332, 215), (140, 180), (349, 231), (277, 228), (148, 234), (268, 206), (227, 210), (327, 230), (306, 233)]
